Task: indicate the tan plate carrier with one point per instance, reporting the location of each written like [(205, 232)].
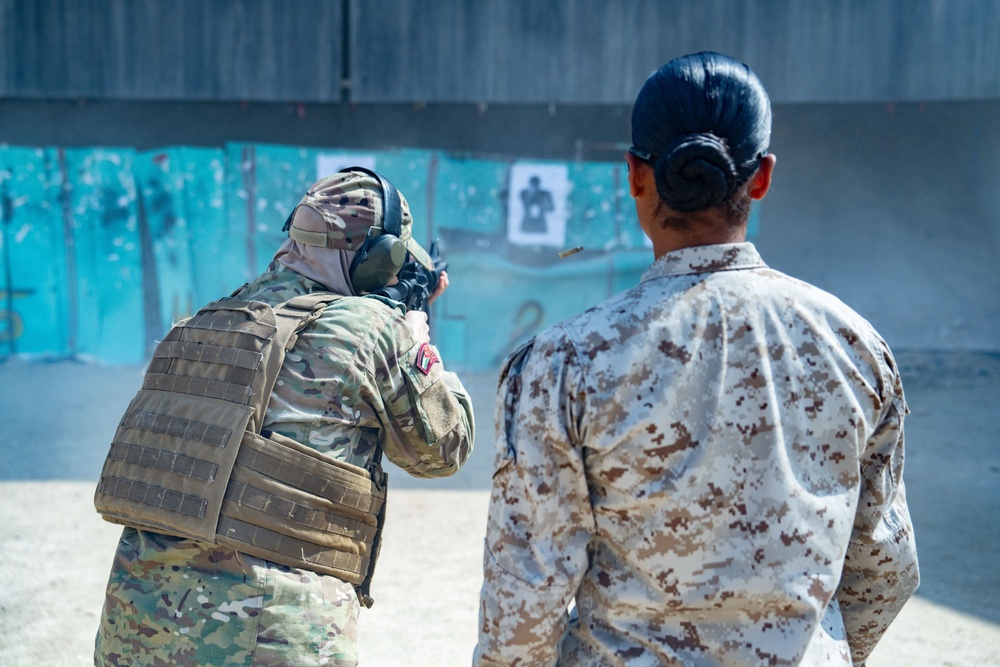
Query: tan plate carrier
[(188, 458)]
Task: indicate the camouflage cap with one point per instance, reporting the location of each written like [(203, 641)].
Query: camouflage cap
[(337, 211)]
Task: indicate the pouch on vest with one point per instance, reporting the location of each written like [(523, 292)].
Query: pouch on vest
[(188, 458)]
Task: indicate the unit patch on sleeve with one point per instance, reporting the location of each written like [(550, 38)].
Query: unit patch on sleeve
[(426, 358)]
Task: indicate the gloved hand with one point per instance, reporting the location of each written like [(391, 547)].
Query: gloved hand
[(417, 319)]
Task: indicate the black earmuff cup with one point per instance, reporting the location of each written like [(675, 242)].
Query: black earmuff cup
[(383, 254)]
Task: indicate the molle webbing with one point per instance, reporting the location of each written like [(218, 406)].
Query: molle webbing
[(285, 498), (188, 458)]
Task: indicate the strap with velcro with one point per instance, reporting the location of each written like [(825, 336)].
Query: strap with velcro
[(180, 384), (178, 427), (288, 511), (269, 544), (209, 354), (257, 329), (161, 459), (317, 239), (153, 496), (336, 481)]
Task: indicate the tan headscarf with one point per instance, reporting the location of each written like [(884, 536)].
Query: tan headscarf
[(328, 266)]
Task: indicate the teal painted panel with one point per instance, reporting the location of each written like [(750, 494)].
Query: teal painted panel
[(609, 181), (469, 195), (167, 267), (33, 315), (239, 187), (72, 242), (630, 234), (497, 304), (195, 256), (450, 335), (215, 248), (264, 184), (105, 251), (627, 267), (598, 207)]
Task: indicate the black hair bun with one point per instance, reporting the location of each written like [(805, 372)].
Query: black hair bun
[(695, 172)]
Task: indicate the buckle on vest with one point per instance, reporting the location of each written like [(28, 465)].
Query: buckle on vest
[(379, 477)]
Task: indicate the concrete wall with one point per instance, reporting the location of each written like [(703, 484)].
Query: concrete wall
[(896, 209)]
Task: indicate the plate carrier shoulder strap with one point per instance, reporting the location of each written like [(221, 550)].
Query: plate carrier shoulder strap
[(189, 459)]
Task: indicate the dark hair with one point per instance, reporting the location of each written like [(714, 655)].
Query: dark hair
[(705, 121)]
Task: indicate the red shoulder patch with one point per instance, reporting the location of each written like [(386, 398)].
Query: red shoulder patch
[(426, 358)]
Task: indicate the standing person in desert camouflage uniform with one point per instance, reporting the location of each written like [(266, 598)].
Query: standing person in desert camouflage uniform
[(360, 377), (709, 465)]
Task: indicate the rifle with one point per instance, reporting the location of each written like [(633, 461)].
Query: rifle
[(416, 283)]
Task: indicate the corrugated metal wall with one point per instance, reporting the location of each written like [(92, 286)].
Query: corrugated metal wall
[(492, 51), (265, 50)]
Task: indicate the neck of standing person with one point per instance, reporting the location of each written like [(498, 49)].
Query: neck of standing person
[(706, 227)]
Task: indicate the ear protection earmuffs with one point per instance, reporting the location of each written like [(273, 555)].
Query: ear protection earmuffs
[(383, 253)]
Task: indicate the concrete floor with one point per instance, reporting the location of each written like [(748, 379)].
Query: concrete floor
[(56, 420)]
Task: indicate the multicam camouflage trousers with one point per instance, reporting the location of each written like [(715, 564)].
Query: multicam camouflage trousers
[(172, 601)]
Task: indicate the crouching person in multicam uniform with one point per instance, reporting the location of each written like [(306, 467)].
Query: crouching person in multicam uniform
[(247, 469), (707, 467)]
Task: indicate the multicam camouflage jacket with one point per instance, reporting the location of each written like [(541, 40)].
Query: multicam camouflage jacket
[(355, 378), (706, 470)]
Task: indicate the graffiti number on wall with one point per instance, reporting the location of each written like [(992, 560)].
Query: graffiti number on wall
[(11, 322), (527, 321), (11, 326)]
